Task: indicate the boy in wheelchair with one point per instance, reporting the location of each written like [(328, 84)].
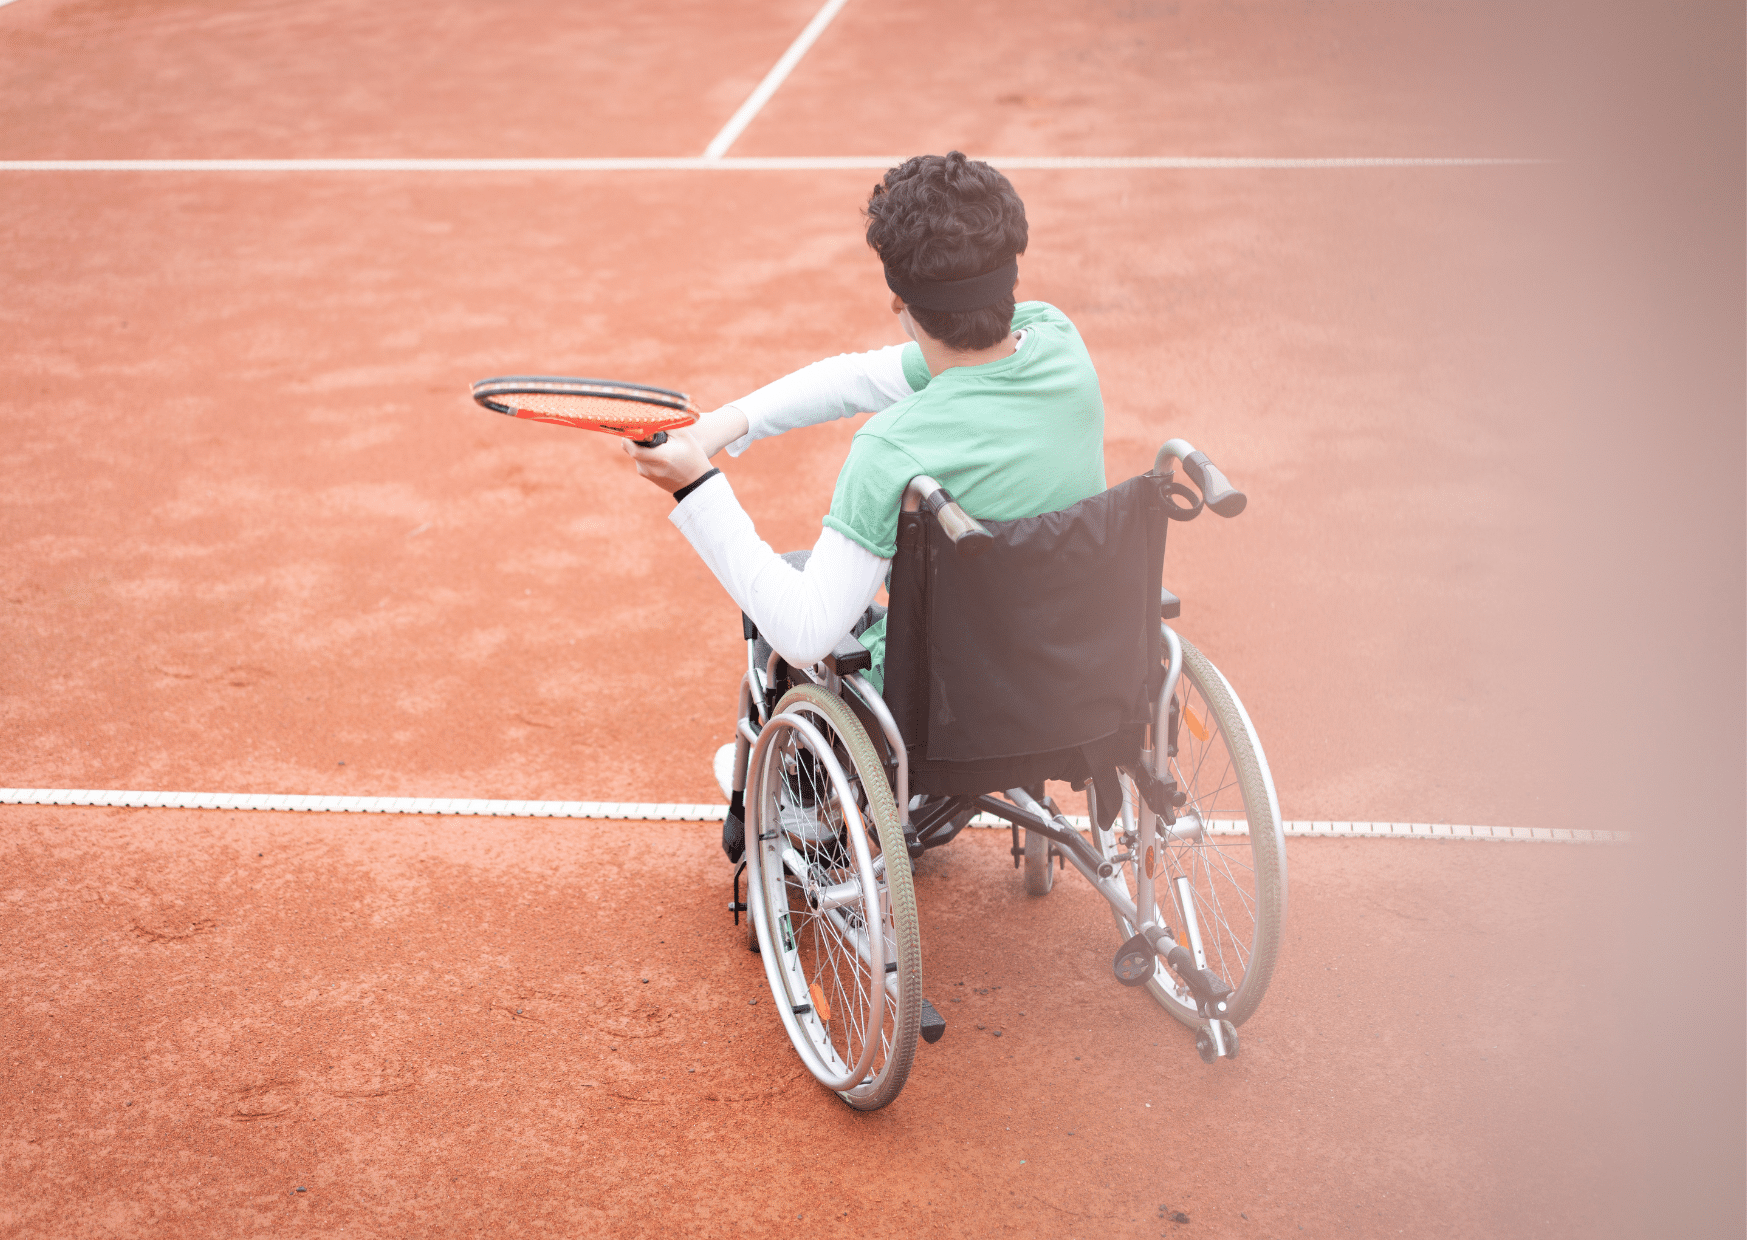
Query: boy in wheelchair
[(998, 675), (1000, 402)]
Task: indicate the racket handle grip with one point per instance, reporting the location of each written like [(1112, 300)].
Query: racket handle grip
[(654, 441)]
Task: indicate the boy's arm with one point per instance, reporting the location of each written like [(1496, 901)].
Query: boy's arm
[(802, 613), (838, 387), (715, 430)]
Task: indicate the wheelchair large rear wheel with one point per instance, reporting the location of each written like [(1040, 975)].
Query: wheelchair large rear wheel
[(1232, 848), (829, 889)]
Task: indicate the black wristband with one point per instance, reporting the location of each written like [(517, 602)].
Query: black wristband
[(693, 485)]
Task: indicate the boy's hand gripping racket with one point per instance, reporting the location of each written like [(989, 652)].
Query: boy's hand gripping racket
[(633, 411)]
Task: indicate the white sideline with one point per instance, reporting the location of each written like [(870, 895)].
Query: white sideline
[(652, 811), (765, 89), (751, 163)]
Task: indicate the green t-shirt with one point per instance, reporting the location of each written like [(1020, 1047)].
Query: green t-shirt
[(1011, 438)]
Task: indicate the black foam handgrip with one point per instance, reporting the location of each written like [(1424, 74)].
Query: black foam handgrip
[(654, 441), (969, 537), (1219, 494), (974, 542)]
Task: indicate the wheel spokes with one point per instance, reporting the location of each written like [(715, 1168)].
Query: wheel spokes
[(833, 952)]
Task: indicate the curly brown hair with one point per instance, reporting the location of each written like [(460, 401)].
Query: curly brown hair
[(946, 217)]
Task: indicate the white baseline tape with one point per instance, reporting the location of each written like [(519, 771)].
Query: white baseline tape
[(1389, 831), (774, 163), (650, 811)]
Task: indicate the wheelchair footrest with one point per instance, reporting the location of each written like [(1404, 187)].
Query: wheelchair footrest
[(933, 1024)]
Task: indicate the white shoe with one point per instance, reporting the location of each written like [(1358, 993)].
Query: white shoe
[(724, 767)]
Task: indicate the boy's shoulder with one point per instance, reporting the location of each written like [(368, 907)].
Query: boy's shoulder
[(1039, 314), (1054, 330), (1038, 317), (1028, 315)]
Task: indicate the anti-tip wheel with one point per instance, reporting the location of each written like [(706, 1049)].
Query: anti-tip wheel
[(1205, 1042)]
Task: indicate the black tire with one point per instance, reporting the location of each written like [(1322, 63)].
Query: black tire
[(802, 796), (1040, 865)]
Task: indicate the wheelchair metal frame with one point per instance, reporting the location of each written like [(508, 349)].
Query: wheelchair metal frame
[(1188, 975)]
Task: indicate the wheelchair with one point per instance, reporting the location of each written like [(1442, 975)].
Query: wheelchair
[(830, 801)]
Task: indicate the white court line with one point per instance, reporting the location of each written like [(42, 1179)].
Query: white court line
[(770, 163), (764, 90), (654, 811)]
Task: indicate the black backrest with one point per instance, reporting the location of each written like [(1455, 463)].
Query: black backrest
[(1035, 660)]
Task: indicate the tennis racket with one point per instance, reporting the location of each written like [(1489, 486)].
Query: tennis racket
[(633, 411)]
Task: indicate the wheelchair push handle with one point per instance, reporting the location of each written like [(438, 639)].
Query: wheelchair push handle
[(1217, 493), (967, 534)]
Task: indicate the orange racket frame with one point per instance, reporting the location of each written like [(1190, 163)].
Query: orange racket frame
[(634, 411)]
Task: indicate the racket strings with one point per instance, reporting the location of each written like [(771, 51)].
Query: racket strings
[(589, 408)]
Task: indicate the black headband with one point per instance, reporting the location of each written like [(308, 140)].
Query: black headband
[(989, 289)]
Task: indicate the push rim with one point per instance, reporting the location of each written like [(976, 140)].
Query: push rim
[(820, 885)]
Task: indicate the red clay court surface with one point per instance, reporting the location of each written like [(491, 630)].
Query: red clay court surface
[(256, 539)]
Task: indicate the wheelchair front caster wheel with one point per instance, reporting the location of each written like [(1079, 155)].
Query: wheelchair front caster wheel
[(1205, 1042)]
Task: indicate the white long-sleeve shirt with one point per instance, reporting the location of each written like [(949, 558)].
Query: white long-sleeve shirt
[(802, 613), (838, 387)]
